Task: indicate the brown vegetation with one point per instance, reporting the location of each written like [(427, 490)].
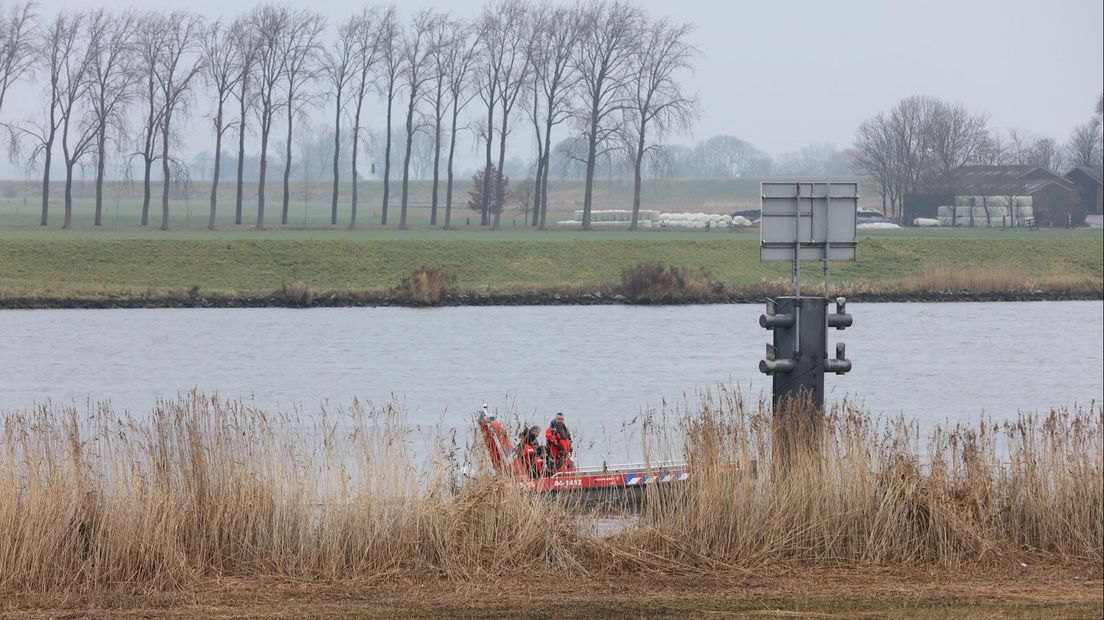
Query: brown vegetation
[(200, 490), (654, 283), (427, 286), (296, 293)]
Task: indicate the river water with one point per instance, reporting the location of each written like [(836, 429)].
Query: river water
[(602, 365)]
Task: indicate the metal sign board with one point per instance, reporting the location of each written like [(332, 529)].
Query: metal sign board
[(813, 221)]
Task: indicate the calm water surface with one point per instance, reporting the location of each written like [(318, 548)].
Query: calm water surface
[(603, 365)]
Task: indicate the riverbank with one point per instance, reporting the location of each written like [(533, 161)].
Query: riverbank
[(386, 299), (1034, 591), (84, 272)]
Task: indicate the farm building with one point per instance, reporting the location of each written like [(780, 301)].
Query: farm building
[(1090, 185), (1052, 198)]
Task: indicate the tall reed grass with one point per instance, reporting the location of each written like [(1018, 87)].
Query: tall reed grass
[(198, 488)]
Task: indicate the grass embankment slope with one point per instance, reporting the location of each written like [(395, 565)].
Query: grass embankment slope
[(97, 265)]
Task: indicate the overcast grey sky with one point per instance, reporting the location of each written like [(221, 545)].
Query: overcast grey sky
[(784, 74)]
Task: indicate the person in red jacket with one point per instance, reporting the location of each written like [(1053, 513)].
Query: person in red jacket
[(558, 439), (528, 452)]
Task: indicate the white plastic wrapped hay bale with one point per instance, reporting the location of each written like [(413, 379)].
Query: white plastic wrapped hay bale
[(569, 223), (944, 211)]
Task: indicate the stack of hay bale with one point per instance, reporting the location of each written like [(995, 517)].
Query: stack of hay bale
[(987, 211), (701, 221), (613, 218)]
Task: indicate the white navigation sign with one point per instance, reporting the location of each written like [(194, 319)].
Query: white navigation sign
[(808, 221)]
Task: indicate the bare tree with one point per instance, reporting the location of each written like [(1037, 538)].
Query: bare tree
[(417, 53), (1047, 153), (17, 45), (339, 66), (1026, 149), (656, 101), (557, 31), (54, 45), (874, 156), (489, 74), (955, 137), (113, 79), (179, 64), (246, 50), (436, 97), (389, 47), (604, 60), (148, 50), (300, 48), (460, 61), (1085, 147), (271, 24), (366, 56), (78, 133), (221, 72), (510, 28), (895, 147)]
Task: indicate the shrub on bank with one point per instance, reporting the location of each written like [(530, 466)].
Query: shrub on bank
[(427, 286), (296, 293), (654, 283)]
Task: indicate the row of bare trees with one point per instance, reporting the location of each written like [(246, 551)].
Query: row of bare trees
[(120, 83), (922, 140)]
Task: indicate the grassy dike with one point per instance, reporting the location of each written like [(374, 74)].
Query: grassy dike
[(150, 270)]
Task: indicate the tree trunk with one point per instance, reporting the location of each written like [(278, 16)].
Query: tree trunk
[(165, 177), (537, 190), (146, 194), (336, 160), (218, 165), (484, 207), (101, 152), (636, 177), (356, 148), (266, 125), (387, 158), (241, 158), (287, 170), (46, 183), (501, 162), (452, 151), (547, 161), (67, 221), (406, 159), (592, 156), (436, 171)]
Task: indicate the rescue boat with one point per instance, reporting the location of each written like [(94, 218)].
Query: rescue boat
[(568, 477)]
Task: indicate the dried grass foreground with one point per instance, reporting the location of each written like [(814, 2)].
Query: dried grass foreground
[(201, 491)]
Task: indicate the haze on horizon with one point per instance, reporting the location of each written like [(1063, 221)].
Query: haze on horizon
[(784, 75)]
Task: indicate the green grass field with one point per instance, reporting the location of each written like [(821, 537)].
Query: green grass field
[(56, 265), (122, 258), (309, 206)]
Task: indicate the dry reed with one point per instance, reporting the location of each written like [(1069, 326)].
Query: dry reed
[(427, 286), (654, 283), (199, 488)]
